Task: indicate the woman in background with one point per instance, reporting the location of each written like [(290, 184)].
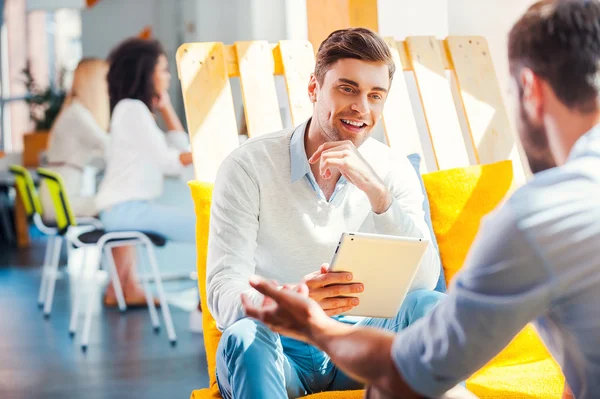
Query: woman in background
[(140, 156), (78, 138)]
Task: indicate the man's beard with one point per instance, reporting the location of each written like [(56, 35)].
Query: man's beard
[(535, 143), (332, 133)]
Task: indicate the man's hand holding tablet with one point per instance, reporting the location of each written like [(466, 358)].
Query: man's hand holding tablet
[(333, 291)]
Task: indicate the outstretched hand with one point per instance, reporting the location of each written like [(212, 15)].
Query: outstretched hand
[(287, 310)]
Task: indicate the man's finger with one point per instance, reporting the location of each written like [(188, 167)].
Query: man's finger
[(265, 287), (336, 290), (335, 153), (302, 289), (337, 160), (335, 312), (334, 278), (331, 163), (285, 298), (326, 146), (310, 278), (262, 313), (334, 303), (253, 312)]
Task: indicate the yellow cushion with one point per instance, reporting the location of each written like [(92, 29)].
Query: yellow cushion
[(209, 394), (338, 395), (206, 393), (458, 198), (523, 370), (202, 194)]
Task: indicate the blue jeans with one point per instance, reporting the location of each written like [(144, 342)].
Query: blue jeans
[(254, 362), (174, 223)]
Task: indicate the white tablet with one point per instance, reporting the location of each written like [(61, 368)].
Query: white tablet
[(385, 265)]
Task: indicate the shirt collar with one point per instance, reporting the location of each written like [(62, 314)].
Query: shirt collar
[(299, 161), (589, 141)]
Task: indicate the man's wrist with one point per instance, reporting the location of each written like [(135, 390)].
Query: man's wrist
[(325, 331), (380, 198)]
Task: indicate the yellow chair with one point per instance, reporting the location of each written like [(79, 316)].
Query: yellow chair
[(25, 185), (461, 168)]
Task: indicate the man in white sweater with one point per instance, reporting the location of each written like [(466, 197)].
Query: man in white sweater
[(280, 204)]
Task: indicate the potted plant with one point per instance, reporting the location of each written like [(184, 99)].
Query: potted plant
[(44, 106)]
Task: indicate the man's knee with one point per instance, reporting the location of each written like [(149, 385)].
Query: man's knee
[(419, 303), (247, 341)]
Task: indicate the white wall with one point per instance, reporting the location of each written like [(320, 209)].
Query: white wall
[(110, 21), (296, 19), (491, 19), (178, 21), (401, 18)]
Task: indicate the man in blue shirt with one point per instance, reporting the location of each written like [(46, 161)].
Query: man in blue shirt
[(535, 258)]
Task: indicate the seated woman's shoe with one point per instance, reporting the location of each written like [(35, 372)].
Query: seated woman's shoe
[(132, 301)]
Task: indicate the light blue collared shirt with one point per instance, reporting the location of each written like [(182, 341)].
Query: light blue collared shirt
[(300, 167), (535, 259)]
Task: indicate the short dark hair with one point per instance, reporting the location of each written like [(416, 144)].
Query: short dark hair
[(559, 40), (131, 70), (357, 43)]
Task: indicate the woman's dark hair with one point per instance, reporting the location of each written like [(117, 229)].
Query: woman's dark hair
[(130, 75)]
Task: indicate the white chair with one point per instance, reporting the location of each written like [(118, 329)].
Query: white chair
[(25, 185), (102, 242)]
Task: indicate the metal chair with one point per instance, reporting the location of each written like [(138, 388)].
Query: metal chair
[(25, 184), (102, 241)]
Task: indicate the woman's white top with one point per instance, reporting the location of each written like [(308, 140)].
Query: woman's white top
[(139, 156), (75, 142)]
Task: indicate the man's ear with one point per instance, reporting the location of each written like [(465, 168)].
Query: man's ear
[(533, 94), (313, 87)]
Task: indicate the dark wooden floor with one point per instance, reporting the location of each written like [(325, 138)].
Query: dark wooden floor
[(125, 359)]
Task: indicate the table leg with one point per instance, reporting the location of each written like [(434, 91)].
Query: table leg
[(21, 223)]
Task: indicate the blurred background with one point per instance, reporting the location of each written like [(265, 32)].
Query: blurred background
[(51, 36), (41, 44)]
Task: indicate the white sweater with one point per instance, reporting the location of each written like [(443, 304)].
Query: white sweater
[(75, 142), (263, 224), (139, 156)]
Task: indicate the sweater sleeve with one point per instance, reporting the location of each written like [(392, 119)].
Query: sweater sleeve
[(94, 139), (405, 217), (148, 135), (232, 243)]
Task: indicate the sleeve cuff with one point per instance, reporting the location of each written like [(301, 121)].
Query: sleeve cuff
[(406, 355), (173, 166), (178, 140), (392, 221)]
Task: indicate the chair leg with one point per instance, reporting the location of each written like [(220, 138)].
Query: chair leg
[(149, 299), (52, 275), (114, 277), (45, 267), (78, 293), (5, 217), (70, 249), (164, 306), (91, 294)]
